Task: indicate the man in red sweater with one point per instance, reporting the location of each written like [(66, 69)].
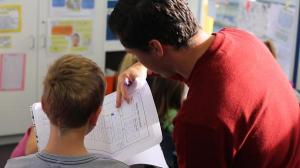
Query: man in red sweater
[(240, 110)]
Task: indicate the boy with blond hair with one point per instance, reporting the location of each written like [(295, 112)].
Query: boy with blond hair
[(72, 99)]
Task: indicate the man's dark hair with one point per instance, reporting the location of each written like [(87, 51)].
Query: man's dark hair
[(136, 22)]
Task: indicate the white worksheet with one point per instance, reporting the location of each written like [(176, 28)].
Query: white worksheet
[(120, 132)]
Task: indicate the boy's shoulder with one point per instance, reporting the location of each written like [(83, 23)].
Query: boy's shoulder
[(42, 159), (23, 161)]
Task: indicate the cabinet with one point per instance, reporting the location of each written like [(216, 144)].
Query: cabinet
[(48, 29), (18, 70)]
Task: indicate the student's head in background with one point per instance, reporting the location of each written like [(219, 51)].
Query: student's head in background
[(128, 60), (73, 93), (168, 94), (271, 47)]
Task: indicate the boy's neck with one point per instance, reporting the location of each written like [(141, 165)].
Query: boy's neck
[(70, 143)]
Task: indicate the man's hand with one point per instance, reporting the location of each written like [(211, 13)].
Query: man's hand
[(126, 78)]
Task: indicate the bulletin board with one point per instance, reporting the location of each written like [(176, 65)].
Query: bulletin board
[(274, 20), (18, 64)]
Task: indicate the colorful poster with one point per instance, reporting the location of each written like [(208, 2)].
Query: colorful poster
[(10, 18), (5, 42), (72, 7), (73, 36), (12, 72)]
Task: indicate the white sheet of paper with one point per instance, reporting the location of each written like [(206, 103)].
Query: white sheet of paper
[(42, 125), (12, 72), (120, 132), (153, 156)]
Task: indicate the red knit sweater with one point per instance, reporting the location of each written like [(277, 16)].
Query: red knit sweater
[(240, 110)]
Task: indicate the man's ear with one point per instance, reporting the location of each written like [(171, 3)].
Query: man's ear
[(156, 47), (94, 116)]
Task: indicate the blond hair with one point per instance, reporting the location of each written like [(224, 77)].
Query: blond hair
[(73, 89), (128, 60)]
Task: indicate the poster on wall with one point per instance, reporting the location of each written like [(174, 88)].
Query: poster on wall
[(72, 7), (5, 42), (251, 16), (12, 72), (280, 31), (10, 18), (70, 36), (273, 20), (280, 22)]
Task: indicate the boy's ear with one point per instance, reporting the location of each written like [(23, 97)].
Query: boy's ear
[(94, 116), (156, 47)]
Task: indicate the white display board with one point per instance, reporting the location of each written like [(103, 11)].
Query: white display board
[(274, 20)]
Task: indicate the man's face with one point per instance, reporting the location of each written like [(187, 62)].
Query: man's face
[(159, 65)]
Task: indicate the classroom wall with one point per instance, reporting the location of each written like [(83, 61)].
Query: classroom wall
[(34, 35)]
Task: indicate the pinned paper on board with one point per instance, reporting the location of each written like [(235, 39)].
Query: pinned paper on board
[(72, 7), (12, 72), (208, 21), (287, 3), (282, 22), (248, 5), (70, 36), (256, 15), (10, 18), (5, 42)]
